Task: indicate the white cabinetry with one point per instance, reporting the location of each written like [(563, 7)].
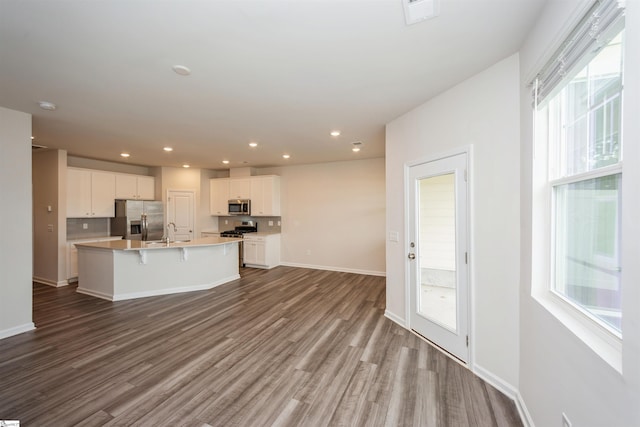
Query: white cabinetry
[(261, 251), (90, 194), (263, 191), (265, 196), (138, 187), (240, 188), (219, 196)]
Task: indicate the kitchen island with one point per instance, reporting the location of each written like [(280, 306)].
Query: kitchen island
[(126, 269)]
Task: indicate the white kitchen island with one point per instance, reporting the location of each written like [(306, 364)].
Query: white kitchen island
[(126, 269)]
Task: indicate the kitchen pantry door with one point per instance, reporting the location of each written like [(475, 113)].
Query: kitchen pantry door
[(438, 278), (181, 212)]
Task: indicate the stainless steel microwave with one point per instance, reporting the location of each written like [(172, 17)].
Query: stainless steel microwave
[(240, 207)]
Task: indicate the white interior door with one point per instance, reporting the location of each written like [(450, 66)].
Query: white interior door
[(437, 253), (181, 212)]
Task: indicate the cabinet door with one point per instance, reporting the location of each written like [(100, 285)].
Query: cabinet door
[(72, 261), (146, 187), (257, 197), (126, 186), (261, 258), (265, 196), (78, 193), (103, 194), (240, 188), (219, 196), (250, 255)]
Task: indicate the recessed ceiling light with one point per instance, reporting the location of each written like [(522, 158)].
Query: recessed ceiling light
[(356, 146), (168, 149), (226, 162), (181, 70), (186, 166), (49, 106), (124, 154), (253, 144), (335, 133), (286, 156), (355, 149)]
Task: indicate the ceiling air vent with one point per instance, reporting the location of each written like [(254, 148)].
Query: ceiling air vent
[(420, 10)]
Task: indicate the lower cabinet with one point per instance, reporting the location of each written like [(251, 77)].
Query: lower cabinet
[(261, 251)]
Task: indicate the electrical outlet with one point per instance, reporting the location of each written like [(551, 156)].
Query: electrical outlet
[(270, 223), (308, 251), (565, 420), (85, 226), (50, 228), (226, 221), (278, 223)]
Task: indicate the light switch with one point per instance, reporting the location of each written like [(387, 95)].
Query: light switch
[(50, 228), (394, 236)]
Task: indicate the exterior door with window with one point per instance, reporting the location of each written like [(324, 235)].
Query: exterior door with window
[(438, 255)]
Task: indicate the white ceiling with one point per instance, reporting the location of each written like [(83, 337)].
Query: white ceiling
[(283, 73)]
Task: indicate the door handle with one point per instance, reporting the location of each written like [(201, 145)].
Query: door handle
[(412, 256)]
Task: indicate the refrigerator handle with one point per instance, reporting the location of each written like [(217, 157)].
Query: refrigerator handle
[(144, 225)]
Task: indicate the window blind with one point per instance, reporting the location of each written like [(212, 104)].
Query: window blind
[(599, 25)]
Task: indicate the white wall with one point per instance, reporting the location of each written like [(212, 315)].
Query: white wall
[(333, 215), (189, 179), (15, 217), (558, 372), (481, 111), (49, 189)]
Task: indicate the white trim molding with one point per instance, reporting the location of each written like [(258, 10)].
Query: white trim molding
[(6, 333)]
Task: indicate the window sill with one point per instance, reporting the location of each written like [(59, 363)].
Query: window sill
[(607, 346)]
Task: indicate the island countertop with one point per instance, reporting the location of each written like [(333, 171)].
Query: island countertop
[(137, 245)]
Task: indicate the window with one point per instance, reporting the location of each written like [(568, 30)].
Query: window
[(585, 173), (577, 181)]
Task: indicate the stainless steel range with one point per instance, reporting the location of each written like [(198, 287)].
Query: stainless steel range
[(240, 229)]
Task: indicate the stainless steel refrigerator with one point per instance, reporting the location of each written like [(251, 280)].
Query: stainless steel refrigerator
[(138, 220)]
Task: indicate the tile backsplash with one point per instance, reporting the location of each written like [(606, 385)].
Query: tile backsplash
[(263, 223), (95, 227)]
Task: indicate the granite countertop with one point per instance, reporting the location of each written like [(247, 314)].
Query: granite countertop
[(137, 245)]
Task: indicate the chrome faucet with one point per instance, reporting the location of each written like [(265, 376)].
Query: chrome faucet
[(165, 238)]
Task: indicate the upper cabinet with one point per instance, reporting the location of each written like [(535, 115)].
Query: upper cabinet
[(219, 196), (90, 194), (263, 191), (137, 187), (240, 188), (265, 195)]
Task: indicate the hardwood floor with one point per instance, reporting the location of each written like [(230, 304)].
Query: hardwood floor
[(287, 347)]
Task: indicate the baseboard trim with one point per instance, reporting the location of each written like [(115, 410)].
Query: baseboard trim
[(396, 319), (508, 390), (525, 416), (154, 293), (6, 333), (338, 269), (48, 282)]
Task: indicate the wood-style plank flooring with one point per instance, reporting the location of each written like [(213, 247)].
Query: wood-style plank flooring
[(287, 347)]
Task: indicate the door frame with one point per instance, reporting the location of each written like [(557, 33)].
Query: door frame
[(195, 207), (468, 150)]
